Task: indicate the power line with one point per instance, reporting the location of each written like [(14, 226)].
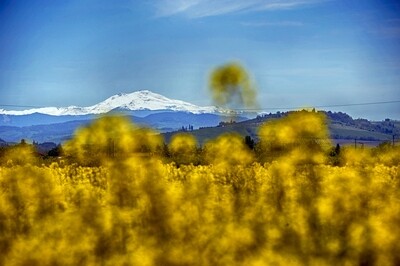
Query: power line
[(253, 109), (317, 106), (355, 104)]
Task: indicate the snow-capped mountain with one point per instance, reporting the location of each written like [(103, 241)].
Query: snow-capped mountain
[(139, 100)]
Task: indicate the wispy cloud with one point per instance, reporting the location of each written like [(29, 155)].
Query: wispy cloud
[(207, 8), (274, 24), (166, 8)]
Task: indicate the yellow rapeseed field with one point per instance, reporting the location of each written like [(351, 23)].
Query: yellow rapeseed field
[(119, 196)]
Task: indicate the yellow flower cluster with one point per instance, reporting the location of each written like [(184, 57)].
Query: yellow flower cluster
[(231, 84), (112, 201)]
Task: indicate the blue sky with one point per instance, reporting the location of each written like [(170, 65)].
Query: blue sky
[(299, 53)]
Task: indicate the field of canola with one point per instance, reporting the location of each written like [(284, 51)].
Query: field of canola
[(115, 199)]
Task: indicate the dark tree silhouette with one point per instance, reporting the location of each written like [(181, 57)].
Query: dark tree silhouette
[(249, 142)]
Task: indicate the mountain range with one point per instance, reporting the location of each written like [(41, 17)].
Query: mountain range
[(145, 108), (148, 109), (143, 100)]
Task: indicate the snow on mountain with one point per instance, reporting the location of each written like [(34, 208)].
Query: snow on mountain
[(139, 100), (146, 100), (56, 111)]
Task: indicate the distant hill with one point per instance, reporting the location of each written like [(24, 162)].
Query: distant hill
[(3, 143), (57, 133), (170, 121), (342, 127), (60, 132), (39, 119)]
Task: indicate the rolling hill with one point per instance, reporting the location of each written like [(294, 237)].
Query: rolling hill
[(343, 129)]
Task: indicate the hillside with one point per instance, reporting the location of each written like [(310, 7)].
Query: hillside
[(342, 127), (60, 132)]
